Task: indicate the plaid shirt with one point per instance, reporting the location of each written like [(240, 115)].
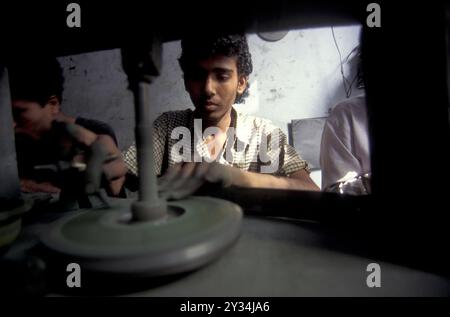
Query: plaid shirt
[(254, 144)]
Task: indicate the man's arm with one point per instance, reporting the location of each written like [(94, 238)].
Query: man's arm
[(113, 169), (32, 186), (184, 179), (299, 180)]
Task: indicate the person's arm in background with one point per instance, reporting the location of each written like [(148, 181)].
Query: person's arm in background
[(114, 169), (31, 186), (345, 143), (91, 131)]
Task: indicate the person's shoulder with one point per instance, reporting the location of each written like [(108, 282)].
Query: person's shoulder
[(90, 122), (349, 106), (347, 110), (96, 126)]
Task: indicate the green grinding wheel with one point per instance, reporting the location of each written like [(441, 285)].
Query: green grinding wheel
[(197, 230)]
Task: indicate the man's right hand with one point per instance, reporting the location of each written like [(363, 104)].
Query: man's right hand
[(184, 179)]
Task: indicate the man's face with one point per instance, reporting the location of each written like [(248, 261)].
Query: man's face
[(213, 85), (31, 119)]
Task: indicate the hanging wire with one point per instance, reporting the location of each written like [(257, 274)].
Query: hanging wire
[(346, 83)]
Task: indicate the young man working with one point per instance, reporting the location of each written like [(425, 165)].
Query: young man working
[(241, 150), (36, 85)]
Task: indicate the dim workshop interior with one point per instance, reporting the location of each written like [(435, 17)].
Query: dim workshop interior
[(379, 231)]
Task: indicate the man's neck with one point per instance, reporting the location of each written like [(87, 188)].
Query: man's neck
[(223, 123)]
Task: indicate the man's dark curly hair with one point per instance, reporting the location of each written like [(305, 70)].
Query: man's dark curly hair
[(198, 48), (35, 78)]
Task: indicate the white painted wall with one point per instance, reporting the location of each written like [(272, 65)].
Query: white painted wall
[(96, 87), (297, 77)]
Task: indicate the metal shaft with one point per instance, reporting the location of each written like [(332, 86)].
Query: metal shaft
[(149, 206)]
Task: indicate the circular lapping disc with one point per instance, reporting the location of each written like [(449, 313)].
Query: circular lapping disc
[(196, 231)]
